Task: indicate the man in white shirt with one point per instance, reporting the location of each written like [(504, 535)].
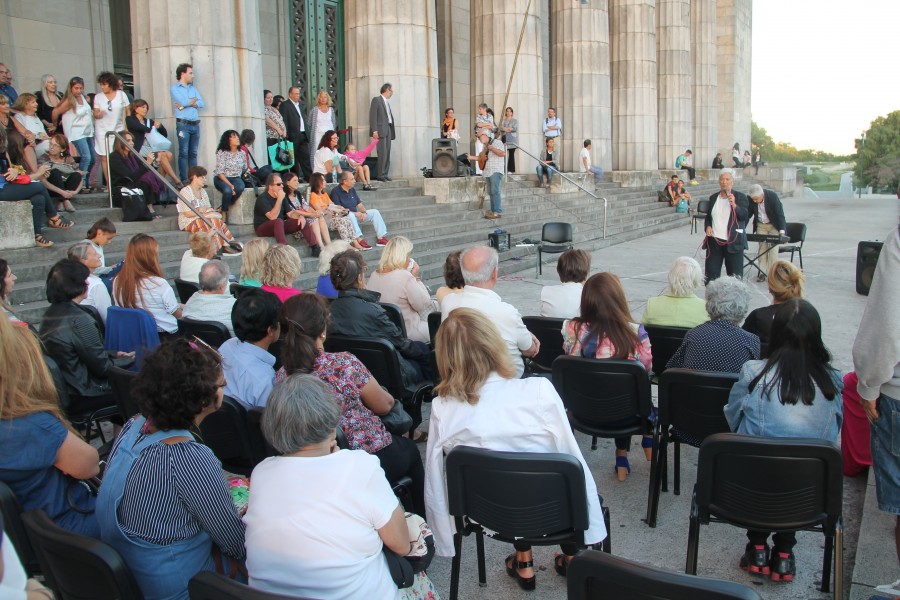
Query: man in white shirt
[(213, 302), (585, 165), (479, 268), (564, 301)]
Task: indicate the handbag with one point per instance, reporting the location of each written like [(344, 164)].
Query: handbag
[(281, 155), (453, 134), (157, 141), (133, 203), (398, 421)]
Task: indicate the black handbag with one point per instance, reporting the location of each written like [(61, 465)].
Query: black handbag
[(132, 201), (398, 421), (282, 155)]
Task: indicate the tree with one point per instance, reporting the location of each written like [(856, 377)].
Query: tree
[(783, 152), (878, 153)]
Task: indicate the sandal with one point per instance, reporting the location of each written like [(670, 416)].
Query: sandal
[(67, 205), (622, 468), (60, 222), (42, 242), (647, 445), (561, 564), (423, 437), (512, 569)]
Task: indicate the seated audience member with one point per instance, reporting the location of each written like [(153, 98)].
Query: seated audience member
[(357, 161), (62, 179), (682, 194), (345, 195), (397, 280), (336, 217), (563, 301), (686, 161), (604, 329), (252, 262), (140, 284), (199, 200), (230, 163), (301, 541), (672, 189), (248, 366), (453, 277), (544, 170), (213, 302), (97, 294), (202, 249), (479, 269), (271, 218), (786, 281), (40, 453), (356, 312), (312, 224), (473, 407), (127, 171), (324, 287), (795, 393), (719, 344), (717, 161), (24, 111), (140, 126), (281, 267), (585, 166), (101, 234), (164, 503), (7, 283), (326, 159), (679, 305), (362, 400)]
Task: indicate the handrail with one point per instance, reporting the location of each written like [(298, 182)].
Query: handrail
[(573, 182), (231, 244)]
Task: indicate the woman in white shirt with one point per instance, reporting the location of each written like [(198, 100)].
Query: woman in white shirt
[(300, 541), (322, 118), (25, 112), (97, 294), (397, 280), (564, 301), (201, 249), (479, 404), (111, 106), (78, 124), (327, 158), (140, 284)]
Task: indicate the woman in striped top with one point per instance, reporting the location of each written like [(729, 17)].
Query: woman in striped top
[(164, 505)]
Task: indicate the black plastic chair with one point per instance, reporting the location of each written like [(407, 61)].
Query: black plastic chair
[(535, 498), (11, 511), (383, 361), (690, 409), (434, 322), (771, 484), (699, 214), (548, 330), (213, 333), (77, 567), (393, 311), (227, 434), (797, 233), (89, 421), (261, 447), (186, 289), (665, 341), (598, 392), (237, 289), (121, 380), (556, 238), (596, 575), (207, 585)]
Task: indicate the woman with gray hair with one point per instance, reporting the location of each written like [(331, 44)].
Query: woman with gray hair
[(324, 287), (720, 344), (97, 294), (679, 305), (302, 542)]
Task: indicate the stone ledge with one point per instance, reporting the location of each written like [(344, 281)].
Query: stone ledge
[(455, 190), (16, 227), (562, 186)]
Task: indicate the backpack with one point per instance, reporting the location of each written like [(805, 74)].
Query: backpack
[(682, 206)]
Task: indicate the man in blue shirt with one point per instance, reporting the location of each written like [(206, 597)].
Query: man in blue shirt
[(248, 366), (552, 126), (6, 87), (345, 195), (187, 100)]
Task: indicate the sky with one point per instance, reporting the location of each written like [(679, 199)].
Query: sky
[(823, 70)]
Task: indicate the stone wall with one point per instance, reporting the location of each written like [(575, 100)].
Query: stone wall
[(734, 20), (275, 25), (454, 62)]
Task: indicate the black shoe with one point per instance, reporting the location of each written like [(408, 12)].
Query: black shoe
[(512, 569), (756, 559), (783, 566), (387, 179), (316, 250)]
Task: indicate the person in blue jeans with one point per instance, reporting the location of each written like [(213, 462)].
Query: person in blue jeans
[(548, 160), (493, 171), (187, 100), (230, 163)]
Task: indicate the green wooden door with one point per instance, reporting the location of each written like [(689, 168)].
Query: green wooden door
[(318, 51)]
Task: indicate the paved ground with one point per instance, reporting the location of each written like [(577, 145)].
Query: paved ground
[(829, 257)]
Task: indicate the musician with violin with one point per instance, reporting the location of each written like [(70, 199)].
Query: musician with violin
[(492, 164), (768, 219), (725, 238)]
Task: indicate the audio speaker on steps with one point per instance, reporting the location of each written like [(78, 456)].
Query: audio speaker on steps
[(866, 259), (443, 157)]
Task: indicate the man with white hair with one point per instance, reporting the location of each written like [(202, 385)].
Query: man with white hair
[(213, 302), (768, 219), (479, 269)]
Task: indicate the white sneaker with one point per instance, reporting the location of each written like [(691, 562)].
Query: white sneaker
[(890, 588)]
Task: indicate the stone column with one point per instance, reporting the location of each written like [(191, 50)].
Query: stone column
[(705, 105), (454, 58), (496, 25), (673, 58), (632, 25), (734, 28), (580, 80), (395, 42)]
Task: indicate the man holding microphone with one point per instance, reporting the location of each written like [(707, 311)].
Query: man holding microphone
[(725, 239)]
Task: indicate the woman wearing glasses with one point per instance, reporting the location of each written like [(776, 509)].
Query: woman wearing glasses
[(111, 106)]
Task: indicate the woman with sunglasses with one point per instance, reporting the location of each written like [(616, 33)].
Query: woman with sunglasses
[(76, 116), (111, 106)]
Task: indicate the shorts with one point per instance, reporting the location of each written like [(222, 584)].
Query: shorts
[(886, 454)]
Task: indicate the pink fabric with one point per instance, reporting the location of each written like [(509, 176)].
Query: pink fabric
[(282, 293), (360, 155), (856, 444)]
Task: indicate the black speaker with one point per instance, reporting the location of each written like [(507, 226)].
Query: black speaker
[(866, 259), (443, 157)]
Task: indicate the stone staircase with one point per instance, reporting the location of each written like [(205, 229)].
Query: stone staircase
[(435, 229)]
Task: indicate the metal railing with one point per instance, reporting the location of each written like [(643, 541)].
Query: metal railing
[(115, 134), (573, 182)]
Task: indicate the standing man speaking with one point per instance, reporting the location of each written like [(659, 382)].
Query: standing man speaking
[(187, 101), (381, 127)]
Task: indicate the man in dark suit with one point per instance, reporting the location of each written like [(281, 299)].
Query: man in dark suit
[(725, 239), (381, 127), (768, 218), (292, 112)]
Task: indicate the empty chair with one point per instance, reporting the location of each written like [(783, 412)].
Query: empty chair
[(699, 214), (665, 341), (548, 331), (11, 512), (556, 238), (598, 576), (120, 380), (797, 234), (78, 567), (227, 434), (185, 289), (213, 333), (212, 586), (131, 330)]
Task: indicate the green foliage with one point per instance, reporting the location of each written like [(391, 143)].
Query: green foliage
[(878, 155), (781, 152), (820, 180)]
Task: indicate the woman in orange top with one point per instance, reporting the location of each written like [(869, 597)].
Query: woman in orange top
[(335, 216)]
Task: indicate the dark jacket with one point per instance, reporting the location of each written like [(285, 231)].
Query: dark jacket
[(742, 212), (292, 119), (140, 130), (357, 312), (72, 338), (774, 210)]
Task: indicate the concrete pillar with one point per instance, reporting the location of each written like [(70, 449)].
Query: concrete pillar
[(454, 58), (734, 20), (673, 59), (224, 48), (496, 25), (394, 42), (632, 25), (580, 80), (705, 99)]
